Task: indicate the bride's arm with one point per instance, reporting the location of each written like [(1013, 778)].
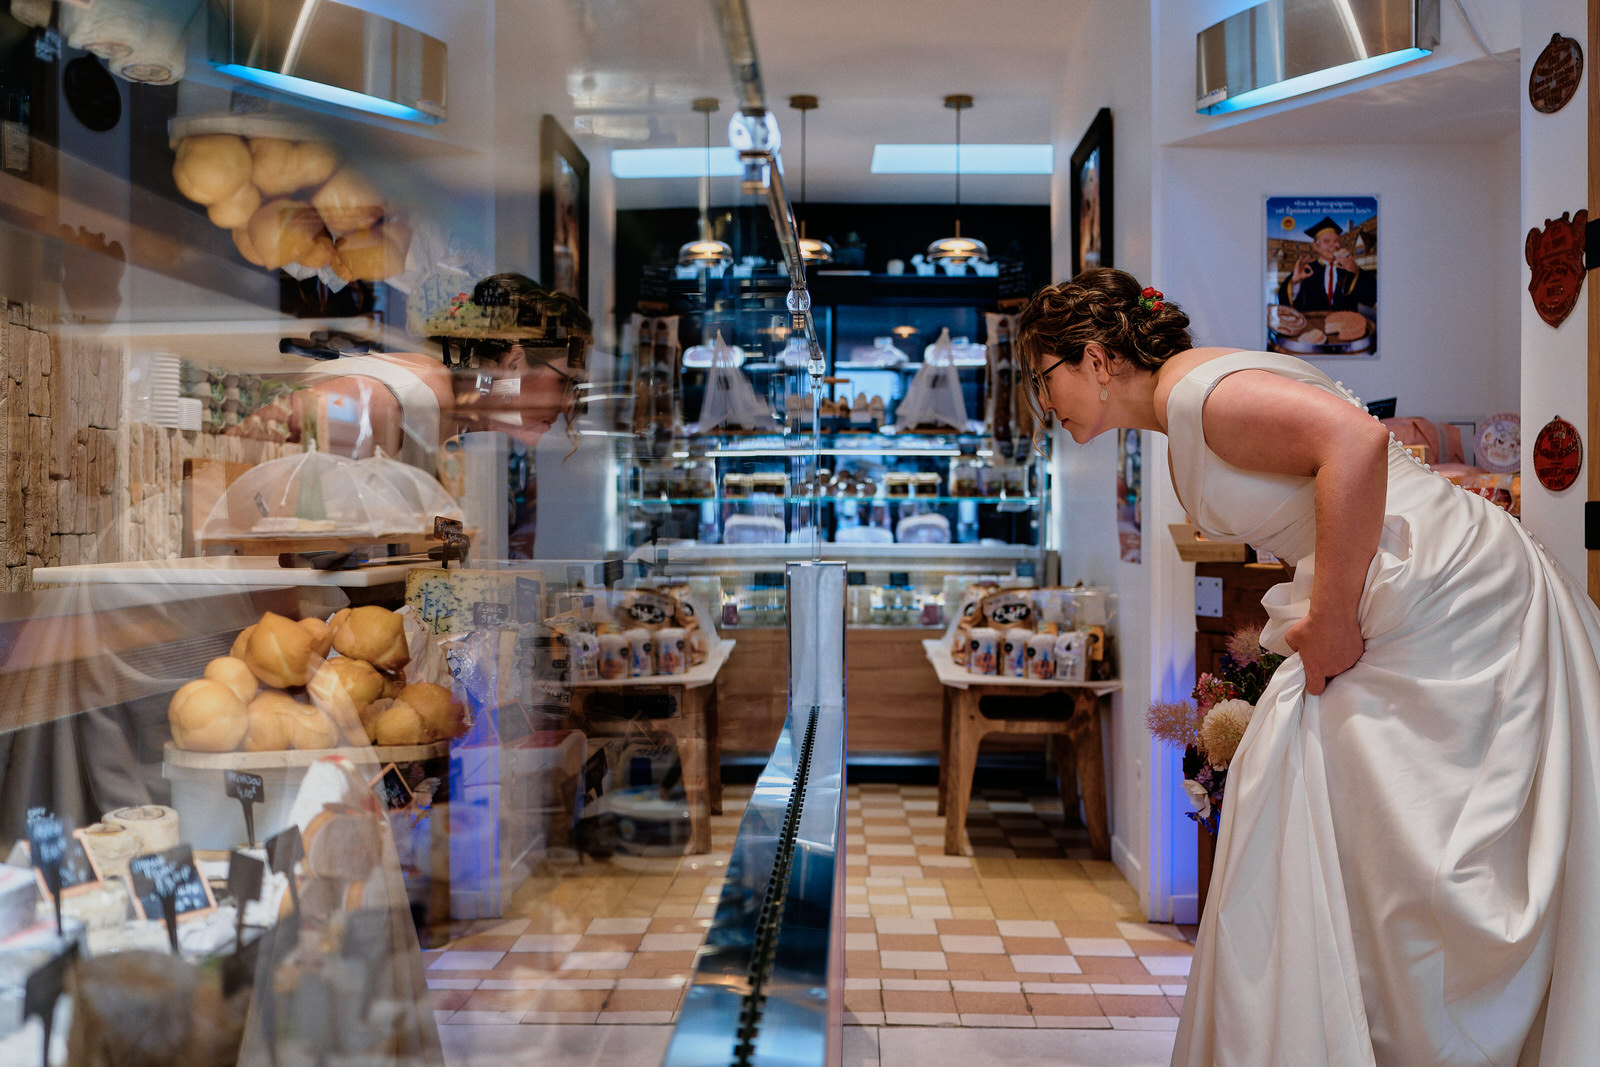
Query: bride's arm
[(1257, 420)]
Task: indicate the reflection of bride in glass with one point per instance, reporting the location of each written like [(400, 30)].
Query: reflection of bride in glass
[(520, 379)]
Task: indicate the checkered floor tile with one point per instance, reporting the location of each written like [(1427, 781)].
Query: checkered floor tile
[(1024, 931)]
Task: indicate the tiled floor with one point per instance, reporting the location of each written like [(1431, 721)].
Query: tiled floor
[(1025, 933)]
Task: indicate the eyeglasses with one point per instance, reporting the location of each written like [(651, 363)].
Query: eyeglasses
[(1038, 377)]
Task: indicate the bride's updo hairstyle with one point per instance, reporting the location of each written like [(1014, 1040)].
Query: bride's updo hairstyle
[(1104, 305)]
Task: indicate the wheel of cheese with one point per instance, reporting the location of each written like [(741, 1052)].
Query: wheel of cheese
[(110, 847), (154, 825), (341, 842)]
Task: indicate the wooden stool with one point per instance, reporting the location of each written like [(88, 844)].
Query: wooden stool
[(691, 722), (1079, 760), (1067, 711)]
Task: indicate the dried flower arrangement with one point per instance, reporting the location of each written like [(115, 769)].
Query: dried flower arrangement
[(1210, 726)]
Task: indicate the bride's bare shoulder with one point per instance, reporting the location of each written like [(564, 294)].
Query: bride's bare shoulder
[(1175, 369)]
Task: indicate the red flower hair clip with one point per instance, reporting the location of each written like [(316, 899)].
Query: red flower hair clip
[(1151, 299)]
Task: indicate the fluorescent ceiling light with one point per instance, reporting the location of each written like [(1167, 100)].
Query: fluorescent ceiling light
[(1283, 48), (1307, 83), (674, 163), (333, 53), (975, 159), (328, 94)]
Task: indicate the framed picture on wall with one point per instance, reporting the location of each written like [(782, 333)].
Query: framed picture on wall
[(563, 212), (1322, 275), (1091, 196)]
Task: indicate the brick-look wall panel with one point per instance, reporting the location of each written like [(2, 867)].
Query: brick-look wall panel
[(76, 485)]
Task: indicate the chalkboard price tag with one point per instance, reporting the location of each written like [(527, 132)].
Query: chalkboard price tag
[(488, 614), (43, 989), (249, 790), (239, 969), (168, 884), (245, 874), (284, 850), (47, 847), (391, 789)]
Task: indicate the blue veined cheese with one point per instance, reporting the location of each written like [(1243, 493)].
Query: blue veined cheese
[(457, 600)]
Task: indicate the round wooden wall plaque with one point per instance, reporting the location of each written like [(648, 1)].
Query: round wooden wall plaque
[(1556, 74), (1557, 454)]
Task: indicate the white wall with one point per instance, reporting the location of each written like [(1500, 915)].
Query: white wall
[(1106, 64), (1554, 361)]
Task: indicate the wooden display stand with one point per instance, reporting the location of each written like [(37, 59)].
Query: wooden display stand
[(965, 726), (691, 722), (1243, 586)]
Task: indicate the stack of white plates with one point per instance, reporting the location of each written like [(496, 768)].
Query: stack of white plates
[(190, 410), (163, 390)]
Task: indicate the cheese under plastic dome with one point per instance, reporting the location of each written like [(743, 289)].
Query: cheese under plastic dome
[(317, 494)]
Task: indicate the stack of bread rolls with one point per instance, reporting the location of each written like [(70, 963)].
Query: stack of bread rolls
[(313, 685), (292, 203)]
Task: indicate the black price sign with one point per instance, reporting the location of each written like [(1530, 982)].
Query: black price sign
[(391, 789), (249, 790), (488, 613), (245, 874), (284, 850), (43, 990), (169, 884)]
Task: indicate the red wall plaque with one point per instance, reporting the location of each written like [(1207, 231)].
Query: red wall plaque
[(1557, 454), (1556, 74), (1556, 256)]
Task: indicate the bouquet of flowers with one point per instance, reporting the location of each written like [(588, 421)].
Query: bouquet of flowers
[(1210, 726)]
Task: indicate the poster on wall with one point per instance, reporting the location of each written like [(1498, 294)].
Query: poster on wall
[(1322, 275), (1091, 193), (1130, 482)]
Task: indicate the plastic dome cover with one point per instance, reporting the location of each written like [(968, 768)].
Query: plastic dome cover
[(424, 494), (319, 493)]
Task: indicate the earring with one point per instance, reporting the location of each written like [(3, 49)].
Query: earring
[(1105, 394)]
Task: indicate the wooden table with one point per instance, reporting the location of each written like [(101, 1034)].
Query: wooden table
[(692, 725), (965, 726)]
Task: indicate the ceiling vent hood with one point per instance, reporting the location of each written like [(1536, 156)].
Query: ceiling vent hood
[(1286, 47), (332, 53)]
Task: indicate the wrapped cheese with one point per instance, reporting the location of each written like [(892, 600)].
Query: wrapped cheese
[(154, 825)]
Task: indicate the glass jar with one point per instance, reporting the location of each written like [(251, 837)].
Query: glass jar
[(966, 475)]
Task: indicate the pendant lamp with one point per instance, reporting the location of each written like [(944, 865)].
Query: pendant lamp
[(812, 250), (707, 251), (958, 250)]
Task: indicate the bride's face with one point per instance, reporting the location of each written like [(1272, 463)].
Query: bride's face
[(523, 397), (1070, 392)]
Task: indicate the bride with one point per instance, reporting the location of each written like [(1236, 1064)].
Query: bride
[(1406, 862)]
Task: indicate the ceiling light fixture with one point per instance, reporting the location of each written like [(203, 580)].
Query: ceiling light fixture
[(1284, 48), (332, 53), (812, 250), (958, 250), (707, 251)]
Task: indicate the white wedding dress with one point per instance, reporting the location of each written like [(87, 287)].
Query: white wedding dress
[(1408, 865)]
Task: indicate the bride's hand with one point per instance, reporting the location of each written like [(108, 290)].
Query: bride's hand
[(1326, 649)]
